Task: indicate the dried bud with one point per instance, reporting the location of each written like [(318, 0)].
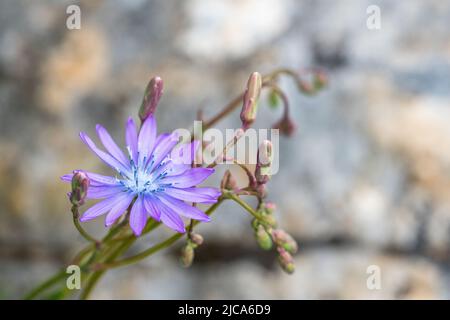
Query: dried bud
[(196, 239), (251, 97), (286, 126), (187, 255), (228, 181), (80, 185), (284, 240), (264, 164), (152, 94), (286, 261)]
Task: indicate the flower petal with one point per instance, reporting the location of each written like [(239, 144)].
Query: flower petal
[(189, 178), (146, 139), (151, 208), (100, 208), (95, 179), (109, 160), (199, 195), (169, 217), (183, 209), (131, 139), (118, 209), (110, 145), (163, 146), (138, 216), (101, 192), (185, 153)]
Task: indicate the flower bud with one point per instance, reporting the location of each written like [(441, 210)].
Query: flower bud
[(196, 239), (286, 261), (80, 185), (228, 181), (152, 94), (284, 240), (270, 207), (286, 126), (320, 80), (187, 255), (263, 238), (251, 97), (264, 164)]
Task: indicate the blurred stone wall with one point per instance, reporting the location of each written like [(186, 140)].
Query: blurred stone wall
[(364, 181)]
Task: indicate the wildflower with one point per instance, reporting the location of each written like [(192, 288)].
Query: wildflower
[(150, 176)]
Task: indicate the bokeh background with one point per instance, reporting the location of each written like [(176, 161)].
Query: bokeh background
[(364, 181)]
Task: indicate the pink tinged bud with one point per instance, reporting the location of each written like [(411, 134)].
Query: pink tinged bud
[(320, 80), (228, 181), (152, 94), (286, 126), (187, 255), (284, 240), (80, 185), (286, 261), (196, 239), (251, 97), (264, 164), (270, 207), (263, 238)]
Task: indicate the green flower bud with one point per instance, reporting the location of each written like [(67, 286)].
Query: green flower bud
[(320, 80), (264, 165), (251, 97), (263, 238), (284, 240), (274, 100), (286, 261)]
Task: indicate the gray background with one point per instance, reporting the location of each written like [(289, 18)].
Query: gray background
[(364, 181)]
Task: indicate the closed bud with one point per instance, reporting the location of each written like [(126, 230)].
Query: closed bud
[(196, 238), (263, 238), (251, 97), (270, 207), (284, 240), (264, 164), (152, 94), (286, 126), (269, 219), (286, 260), (80, 185), (228, 182), (187, 255), (320, 80)]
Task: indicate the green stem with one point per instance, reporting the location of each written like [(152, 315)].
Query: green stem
[(246, 206), (45, 285), (80, 229), (162, 245)]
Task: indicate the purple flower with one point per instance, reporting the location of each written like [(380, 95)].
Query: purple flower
[(151, 175)]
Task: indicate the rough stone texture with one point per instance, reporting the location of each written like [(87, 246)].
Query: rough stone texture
[(364, 181)]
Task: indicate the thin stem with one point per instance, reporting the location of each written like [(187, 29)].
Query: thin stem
[(230, 107), (45, 285), (164, 244), (80, 229), (245, 205)]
